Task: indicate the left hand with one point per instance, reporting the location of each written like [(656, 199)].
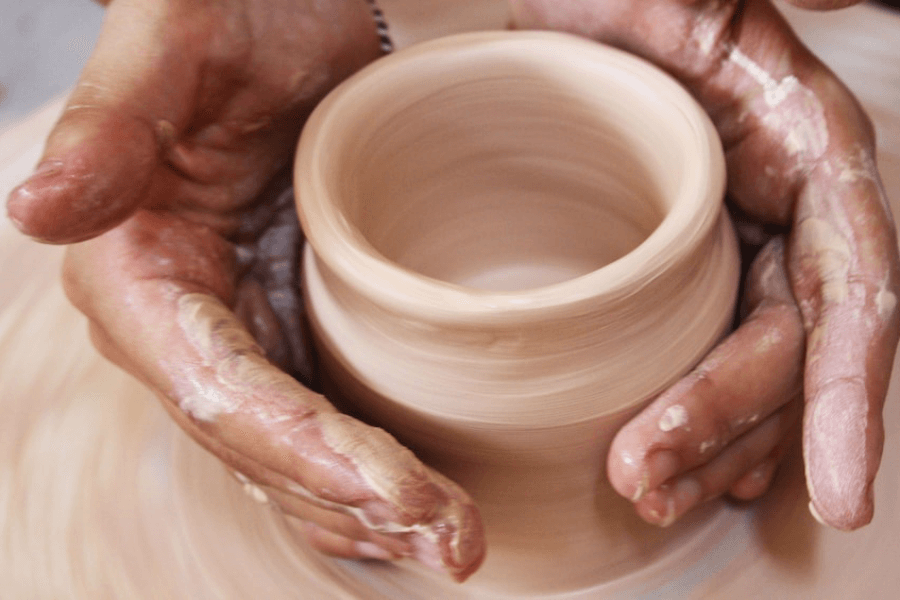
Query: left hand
[(166, 167), (820, 303)]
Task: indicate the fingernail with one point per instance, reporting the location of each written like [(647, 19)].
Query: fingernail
[(675, 501), (374, 551), (815, 513), (662, 465), (666, 518), (19, 202), (47, 168), (642, 487)]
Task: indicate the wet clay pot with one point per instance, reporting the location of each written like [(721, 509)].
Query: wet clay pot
[(516, 240)]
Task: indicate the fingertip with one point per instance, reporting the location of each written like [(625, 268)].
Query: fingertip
[(459, 546), (844, 514), (23, 206), (626, 467), (471, 543), (655, 469), (632, 475), (92, 177), (668, 503), (657, 508), (843, 442), (842, 507), (438, 519), (754, 483), (454, 543), (624, 476)]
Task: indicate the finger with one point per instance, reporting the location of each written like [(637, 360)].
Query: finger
[(129, 103), (336, 545), (337, 523), (755, 482), (762, 444), (846, 283), (750, 375), (253, 310), (214, 379)]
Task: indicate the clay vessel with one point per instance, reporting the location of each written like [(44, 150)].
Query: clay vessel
[(516, 240)]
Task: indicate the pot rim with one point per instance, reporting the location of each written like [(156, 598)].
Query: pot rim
[(694, 212)]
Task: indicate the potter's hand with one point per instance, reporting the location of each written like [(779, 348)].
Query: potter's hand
[(800, 156), (166, 161)]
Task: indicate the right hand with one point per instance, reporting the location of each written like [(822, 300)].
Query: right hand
[(821, 326), (167, 161)]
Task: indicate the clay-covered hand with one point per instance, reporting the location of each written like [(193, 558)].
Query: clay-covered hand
[(168, 160), (820, 323)]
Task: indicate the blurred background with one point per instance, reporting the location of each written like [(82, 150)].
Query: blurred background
[(43, 45)]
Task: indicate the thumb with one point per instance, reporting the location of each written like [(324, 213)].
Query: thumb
[(102, 153)]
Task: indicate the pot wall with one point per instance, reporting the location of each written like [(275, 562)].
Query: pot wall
[(516, 241)]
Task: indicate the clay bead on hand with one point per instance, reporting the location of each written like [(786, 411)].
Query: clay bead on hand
[(169, 160), (819, 312)]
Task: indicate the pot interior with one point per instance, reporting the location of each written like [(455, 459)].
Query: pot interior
[(496, 172)]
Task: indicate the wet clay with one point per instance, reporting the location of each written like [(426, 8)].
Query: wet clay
[(516, 240), (102, 496), (388, 484)]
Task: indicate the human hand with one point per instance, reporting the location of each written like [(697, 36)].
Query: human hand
[(169, 160), (820, 318)]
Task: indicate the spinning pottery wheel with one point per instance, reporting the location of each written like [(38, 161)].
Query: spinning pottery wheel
[(103, 497)]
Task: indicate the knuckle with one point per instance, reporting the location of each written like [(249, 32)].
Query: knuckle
[(713, 415)]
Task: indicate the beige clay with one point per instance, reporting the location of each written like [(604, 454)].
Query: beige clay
[(518, 241)]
